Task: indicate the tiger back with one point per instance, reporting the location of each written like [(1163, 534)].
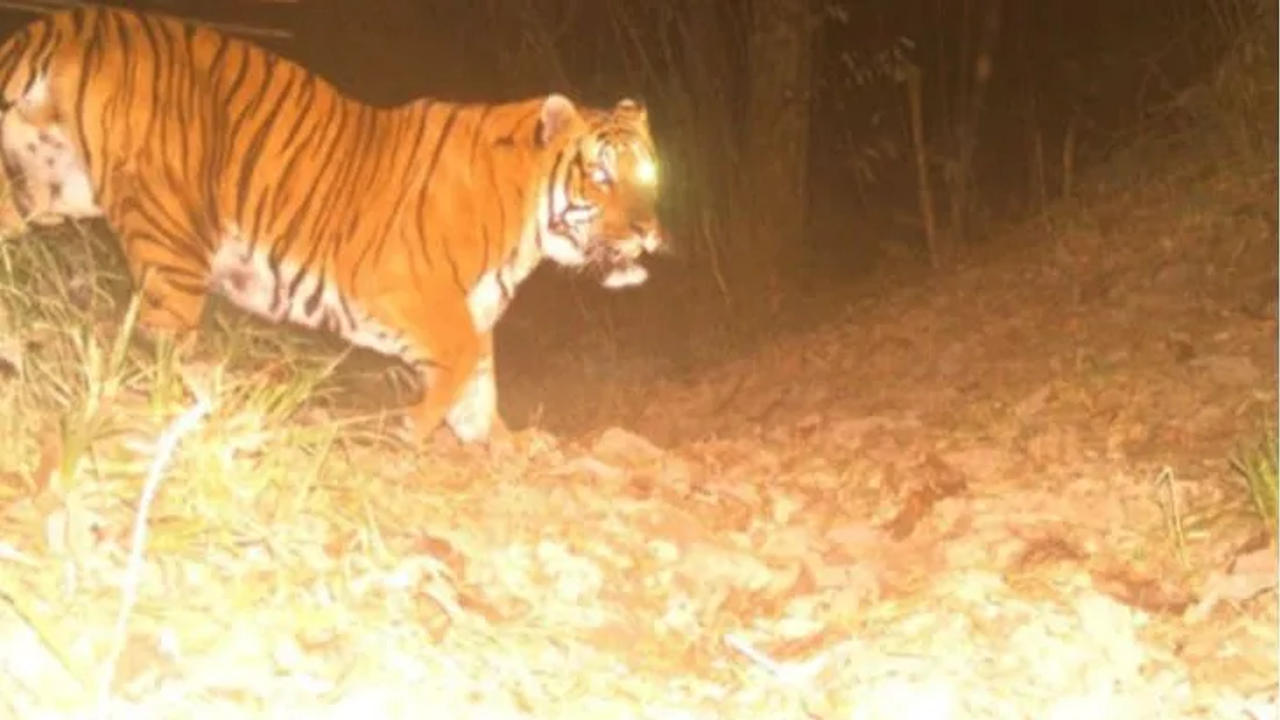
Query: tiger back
[(224, 168)]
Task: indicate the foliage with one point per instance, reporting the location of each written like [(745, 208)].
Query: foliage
[(1256, 466), (1242, 86)]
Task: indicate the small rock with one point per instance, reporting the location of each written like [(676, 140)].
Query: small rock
[(619, 446)]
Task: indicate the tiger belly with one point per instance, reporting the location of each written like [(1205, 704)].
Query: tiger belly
[(244, 276)]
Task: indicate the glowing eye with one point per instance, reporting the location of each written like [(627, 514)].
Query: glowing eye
[(599, 176), (646, 172)]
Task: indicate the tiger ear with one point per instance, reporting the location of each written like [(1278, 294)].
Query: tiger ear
[(558, 114), (633, 110)]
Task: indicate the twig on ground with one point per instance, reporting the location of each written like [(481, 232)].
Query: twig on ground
[(165, 448)]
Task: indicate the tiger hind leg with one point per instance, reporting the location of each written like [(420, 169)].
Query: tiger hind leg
[(167, 259), (172, 298)]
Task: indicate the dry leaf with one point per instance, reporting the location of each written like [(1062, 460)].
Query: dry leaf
[(624, 447), (1251, 574)]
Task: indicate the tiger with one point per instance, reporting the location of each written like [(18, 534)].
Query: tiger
[(223, 168)]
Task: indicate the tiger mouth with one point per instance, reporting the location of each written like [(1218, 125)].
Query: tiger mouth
[(625, 275), (617, 264), (604, 253)]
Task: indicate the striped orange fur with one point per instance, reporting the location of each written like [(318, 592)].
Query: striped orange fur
[(225, 168)]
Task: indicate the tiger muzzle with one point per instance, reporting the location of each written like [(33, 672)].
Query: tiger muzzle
[(618, 259)]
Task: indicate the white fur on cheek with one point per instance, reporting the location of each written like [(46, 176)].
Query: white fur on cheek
[(579, 217), (562, 250)]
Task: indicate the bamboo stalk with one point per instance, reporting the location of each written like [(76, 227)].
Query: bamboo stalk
[(1069, 158), (1037, 158), (914, 92)]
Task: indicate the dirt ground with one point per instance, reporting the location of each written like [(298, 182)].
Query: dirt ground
[(1006, 483)]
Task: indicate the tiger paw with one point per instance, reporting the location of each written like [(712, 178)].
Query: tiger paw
[(502, 443), (526, 444), (443, 443)]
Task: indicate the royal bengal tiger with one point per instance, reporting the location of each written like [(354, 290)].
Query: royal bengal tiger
[(224, 168)]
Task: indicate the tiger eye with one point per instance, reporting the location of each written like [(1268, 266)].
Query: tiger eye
[(646, 172)]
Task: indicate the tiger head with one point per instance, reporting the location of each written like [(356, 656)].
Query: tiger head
[(602, 197)]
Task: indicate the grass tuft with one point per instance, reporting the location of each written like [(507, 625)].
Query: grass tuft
[(1256, 465), (281, 501)]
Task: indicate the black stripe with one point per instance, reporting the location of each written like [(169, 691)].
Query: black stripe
[(122, 39), (507, 292), (93, 47), (269, 204), (242, 69), (150, 207), (345, 183), (219, 53), (320, 226), (326, 201), (254, 109), (445, 129), (346, 310), (148, 128), (185, 91), (552, 183), (294, 149), (509, 137), (378, 244), (478, 129), (312, 301), (49, 46), (495, 192), (453, 265), (17, 49)]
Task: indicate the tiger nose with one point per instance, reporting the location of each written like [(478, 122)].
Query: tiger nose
[(649, 234)]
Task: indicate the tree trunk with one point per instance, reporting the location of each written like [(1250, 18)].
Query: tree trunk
[(777, 132)]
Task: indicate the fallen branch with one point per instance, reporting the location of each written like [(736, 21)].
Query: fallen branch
[(165, 448)]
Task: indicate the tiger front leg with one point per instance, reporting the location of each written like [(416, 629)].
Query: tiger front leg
[(448, 354), (474, 416)]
